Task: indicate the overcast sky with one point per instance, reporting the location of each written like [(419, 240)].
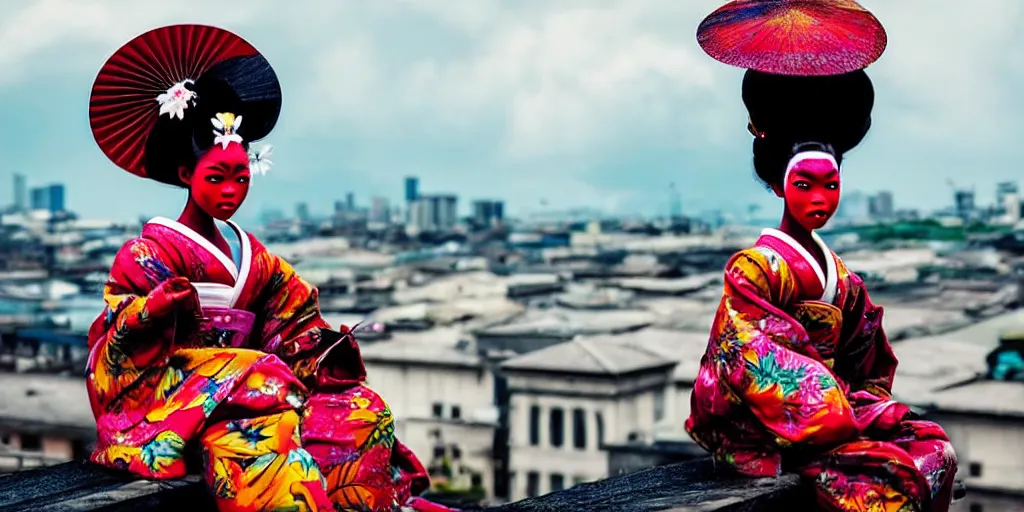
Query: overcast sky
[(596, 103)]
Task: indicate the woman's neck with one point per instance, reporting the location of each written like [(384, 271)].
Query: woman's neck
[(791, 227), (202, 223)]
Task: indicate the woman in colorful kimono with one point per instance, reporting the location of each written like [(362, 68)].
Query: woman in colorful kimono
[(211, 349), (798, 371)]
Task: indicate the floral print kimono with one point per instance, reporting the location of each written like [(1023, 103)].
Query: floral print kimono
[(269, 403), (797, 376)]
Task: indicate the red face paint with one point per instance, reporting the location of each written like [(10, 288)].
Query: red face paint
[(221, 180), (812, 192)]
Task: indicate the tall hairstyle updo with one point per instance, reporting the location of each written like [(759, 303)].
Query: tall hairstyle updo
[(244, 86), (785, 111)]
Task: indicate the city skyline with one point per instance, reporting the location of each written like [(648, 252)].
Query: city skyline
[(517, 103)]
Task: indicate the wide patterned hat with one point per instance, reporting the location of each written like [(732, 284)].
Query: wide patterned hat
[(793, 37), (173, 92)]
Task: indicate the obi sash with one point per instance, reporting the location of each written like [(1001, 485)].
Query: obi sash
[(220, 324)]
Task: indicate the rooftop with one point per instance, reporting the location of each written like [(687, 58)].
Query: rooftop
[(38, 399), (590, 356), (437, 346), (452, 311), (681, 286), (987, 397), (570, 322)]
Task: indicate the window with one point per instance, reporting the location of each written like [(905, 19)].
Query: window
[(975, 469), (577, 480), (976, 507), (534, 425), (600, 429), (438, 410), (31, 443), (456, 412), (456, 452), (579, 429), (476, 480), (557, 482), (556, 429), (532, 484), (659, 404)]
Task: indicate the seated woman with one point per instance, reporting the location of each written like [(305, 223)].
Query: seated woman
[(798, 372), (210, 346)]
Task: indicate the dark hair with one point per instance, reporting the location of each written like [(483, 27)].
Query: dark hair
[(787, 111), (244, 86)]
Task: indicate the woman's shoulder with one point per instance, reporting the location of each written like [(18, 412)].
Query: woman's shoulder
[(760, 258), (139, 247), (764, 268)]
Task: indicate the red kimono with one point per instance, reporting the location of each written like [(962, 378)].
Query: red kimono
[(234, 386), (798, 376)]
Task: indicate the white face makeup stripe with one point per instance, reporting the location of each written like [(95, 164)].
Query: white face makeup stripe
[(807, 155)]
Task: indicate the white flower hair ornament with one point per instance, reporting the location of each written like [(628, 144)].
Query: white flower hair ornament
[(177, 98), (259, 159), (225, 131)]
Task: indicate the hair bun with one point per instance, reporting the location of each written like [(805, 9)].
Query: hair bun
[(790, 110), (833, 110)]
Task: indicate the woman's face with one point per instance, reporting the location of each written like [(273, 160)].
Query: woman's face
[(811, 192), (220, 181)]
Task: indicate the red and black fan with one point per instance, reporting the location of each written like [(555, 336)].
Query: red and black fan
[(157, 78)]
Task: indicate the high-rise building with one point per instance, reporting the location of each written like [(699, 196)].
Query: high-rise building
[(20, 196), (302, 212), (1004, 189), (880, 206), (412, 189), (1011, 207), (447, 212), (380, 210), (487, 213), (350, 201), (420, 214), (50, 197), (434, 212), (964, 200)]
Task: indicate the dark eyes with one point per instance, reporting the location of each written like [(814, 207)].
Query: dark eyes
[(806, 185), (216, 178)]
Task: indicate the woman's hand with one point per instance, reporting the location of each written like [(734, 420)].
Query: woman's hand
[(173, 295)]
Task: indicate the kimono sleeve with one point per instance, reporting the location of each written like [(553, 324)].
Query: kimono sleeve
[(292, 328), (794, 396), (116, 336), (137, 271)]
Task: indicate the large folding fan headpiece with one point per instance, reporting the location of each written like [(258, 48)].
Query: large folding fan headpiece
[(162, 95)]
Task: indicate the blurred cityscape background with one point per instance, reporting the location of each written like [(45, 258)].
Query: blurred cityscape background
[(526, 355)]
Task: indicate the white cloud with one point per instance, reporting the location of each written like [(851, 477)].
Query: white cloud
[(946, 68), (485, 95), (561, 81)]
